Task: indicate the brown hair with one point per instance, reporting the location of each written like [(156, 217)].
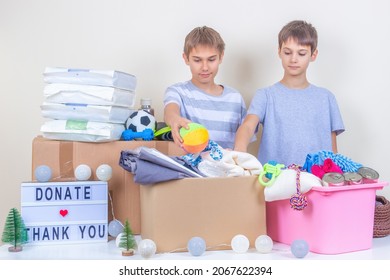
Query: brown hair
[(205, 36), (303, 32)]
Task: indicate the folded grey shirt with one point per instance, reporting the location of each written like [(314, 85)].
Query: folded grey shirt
[(149, 166)]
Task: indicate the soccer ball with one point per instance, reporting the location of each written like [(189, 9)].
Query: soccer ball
[(141, 120)]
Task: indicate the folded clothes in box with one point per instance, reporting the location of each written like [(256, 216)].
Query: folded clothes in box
[(109, 78), (83, 131), (86, 94), (84, 112)]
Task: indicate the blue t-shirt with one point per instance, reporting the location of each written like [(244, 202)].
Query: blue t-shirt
[(295, 122), (221, 115)]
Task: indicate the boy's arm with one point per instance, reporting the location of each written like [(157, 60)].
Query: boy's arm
[(245, 133), (334, 142), (175, 121)]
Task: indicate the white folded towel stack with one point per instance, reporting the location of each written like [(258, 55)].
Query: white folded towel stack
[(77, 99)]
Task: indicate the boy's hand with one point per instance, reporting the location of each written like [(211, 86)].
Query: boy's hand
[(175, 128), (245, 132), (173, 118)]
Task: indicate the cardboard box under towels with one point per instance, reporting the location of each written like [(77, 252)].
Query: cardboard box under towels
[(64, 156), (215, 209)]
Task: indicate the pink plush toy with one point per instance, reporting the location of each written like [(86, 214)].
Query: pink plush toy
[(329, 166)]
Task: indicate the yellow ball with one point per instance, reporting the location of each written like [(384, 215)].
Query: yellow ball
[(195, 139)]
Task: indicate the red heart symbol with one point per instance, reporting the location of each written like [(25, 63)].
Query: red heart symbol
[(63, 213)]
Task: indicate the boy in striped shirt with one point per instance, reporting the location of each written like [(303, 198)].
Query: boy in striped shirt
[(219, 108)]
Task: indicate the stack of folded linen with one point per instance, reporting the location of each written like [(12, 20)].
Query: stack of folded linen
[(86, 105)]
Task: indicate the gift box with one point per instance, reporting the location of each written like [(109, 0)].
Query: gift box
[(215, 209), (63, 157), (336, 220)]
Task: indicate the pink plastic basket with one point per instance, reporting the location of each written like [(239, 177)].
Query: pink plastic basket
[(336, 220)]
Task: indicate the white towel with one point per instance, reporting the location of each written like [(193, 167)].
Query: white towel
[(232, 164), (285, 185)]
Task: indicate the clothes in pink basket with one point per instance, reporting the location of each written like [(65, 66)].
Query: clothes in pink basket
[(329, 166)]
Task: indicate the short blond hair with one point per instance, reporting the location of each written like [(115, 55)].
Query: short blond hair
[(205, 36), (301, 31)]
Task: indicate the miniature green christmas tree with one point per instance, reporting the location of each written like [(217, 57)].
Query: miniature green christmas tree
[(15, 232), (127, 241)]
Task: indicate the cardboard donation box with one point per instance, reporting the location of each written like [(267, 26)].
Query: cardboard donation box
[(63, 157), (215, 209)]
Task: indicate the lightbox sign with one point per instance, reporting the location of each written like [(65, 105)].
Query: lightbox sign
[(65, 212)]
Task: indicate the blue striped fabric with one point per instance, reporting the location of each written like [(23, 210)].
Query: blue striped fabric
[(221, 115), (215, 153)]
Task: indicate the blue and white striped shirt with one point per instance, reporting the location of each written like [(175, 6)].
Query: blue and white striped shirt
[(221, 115)]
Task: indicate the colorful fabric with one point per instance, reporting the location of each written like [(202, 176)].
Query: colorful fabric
[(212, 147), (346, 164), (298, 201), (329, 166)]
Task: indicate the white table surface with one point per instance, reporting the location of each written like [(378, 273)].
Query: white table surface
[(380, 250)]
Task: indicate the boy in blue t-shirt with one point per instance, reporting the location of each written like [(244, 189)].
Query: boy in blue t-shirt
[(298, 118), (221, 109)]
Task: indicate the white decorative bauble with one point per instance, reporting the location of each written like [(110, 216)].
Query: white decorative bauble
[(264, 244), (82, 172), (240, 243), (147, 248), (196, 246), (115, 227), (104, 172), (118, 239), (43, 173)]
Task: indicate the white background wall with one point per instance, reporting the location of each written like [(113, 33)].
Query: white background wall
[(145, 38)]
